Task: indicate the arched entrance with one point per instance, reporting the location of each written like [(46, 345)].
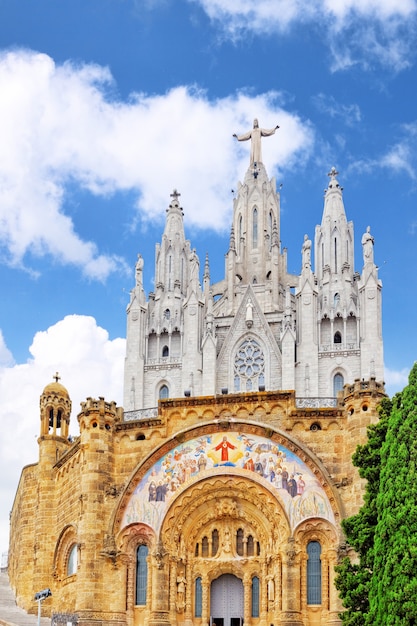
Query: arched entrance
[(223, 542), (226, 601)]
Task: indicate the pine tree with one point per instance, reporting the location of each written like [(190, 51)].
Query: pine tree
[(353, 580), (393, 585)]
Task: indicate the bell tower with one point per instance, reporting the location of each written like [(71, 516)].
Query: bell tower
[(55, 411)]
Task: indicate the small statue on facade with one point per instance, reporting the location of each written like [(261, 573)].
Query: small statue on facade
[(306, 252), (368, 246)]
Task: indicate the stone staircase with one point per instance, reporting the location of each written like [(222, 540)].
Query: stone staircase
[(12, 615)]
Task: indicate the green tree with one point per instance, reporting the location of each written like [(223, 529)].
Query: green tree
[(393, 585), (353, 580)]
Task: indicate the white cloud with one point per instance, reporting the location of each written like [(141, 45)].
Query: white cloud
[(395, 380), (6, 357), (357, 31), (62, 126), (400, 158), (350, 114), (89, 363)]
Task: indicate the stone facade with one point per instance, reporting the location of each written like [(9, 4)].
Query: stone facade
[(216, 494)]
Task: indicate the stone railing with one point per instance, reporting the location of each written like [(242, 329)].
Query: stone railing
[(140, 414), (337, 347), (163, 360), (316, 403)]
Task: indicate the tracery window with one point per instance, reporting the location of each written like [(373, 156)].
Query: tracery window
[(314, 573), (141, 574), (249, 366)]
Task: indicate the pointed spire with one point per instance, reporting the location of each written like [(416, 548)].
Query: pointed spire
[(232, 244), (206, 268), (274, 236)]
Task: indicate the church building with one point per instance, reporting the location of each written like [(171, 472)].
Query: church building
[(215, 495)]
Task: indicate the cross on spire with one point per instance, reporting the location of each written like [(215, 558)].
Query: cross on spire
[(57, 377), (333, 173), (175, 195)]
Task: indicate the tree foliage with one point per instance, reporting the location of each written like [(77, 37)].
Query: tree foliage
[(353, 580), (393, 585)]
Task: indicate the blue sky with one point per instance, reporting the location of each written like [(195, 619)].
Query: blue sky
[(107, 105)]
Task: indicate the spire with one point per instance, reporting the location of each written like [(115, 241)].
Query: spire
[(172, 256), (206, 268), (274, 236), (254, 246), (333, 204), (334, 238), (232, 243)]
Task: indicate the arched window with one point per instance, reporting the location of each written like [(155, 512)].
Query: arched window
[(165, 351), (255, 228), (250, 546), (239, 542), (58, 418), (255, 596), (198, 608), (314, 573), (338, 383), (337, 337), (163, 392), (72, 562), (141, 574), (214, 542), (204, 547)]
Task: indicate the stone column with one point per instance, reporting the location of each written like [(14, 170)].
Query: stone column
[(335, 605), (130, 591), (159, 614), (205, 613), (189, 592), (291, 615), (173, 592), (247, 593)]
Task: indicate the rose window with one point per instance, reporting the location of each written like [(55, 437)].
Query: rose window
[(249, 366)]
